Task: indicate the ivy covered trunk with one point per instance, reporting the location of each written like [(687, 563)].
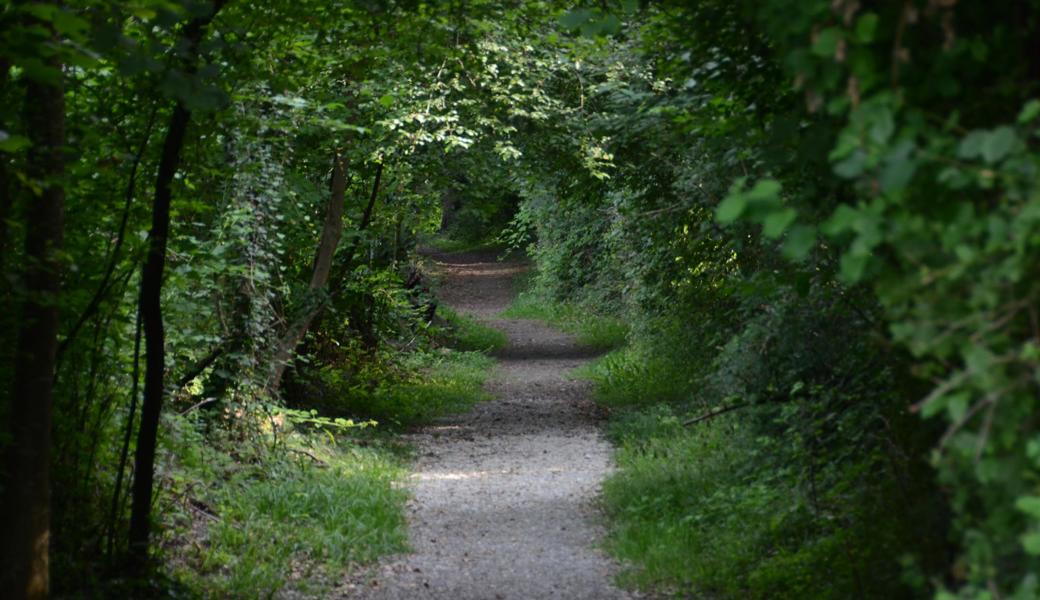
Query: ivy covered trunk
[(321, 269)]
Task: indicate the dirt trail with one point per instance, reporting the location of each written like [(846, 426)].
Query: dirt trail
[(503, 505)]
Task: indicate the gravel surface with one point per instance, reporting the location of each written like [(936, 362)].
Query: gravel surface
[(504, 495)]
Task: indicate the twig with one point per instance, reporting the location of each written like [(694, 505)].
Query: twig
[(204, 402), (320, 463), (714, 414)]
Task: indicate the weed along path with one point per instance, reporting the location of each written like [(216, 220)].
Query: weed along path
[(504, 495)]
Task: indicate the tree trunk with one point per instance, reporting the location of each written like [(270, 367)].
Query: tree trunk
[(151, 311), (6, 195), (24, 553), (155, 351), (331, 233)]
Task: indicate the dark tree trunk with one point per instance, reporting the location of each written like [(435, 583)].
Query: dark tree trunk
[(361, 311), (151, 312), (451, 204), (24, 552), (6, 197), (154, 336)]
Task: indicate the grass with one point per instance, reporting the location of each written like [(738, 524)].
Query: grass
[(591, 328), (715, 509), (631, 377), (467, 334), (296, 500), (682, 517), (300, 518)]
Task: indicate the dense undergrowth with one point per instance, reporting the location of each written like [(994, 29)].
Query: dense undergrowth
[(299, 498), (312, 493), (818, 222), (811, 489)]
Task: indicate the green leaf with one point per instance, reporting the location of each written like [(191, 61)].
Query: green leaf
[(826, 43), (387, 100), (37, 70), (934, 406), (971, 146), (1029, 505), (882, 125), (1031, 543), (977, 359), (764, 189), (998, 143), (12, 143), (778, 221), (573, 19), (852, 266), (957, 406), (69, 24), (799, 242), (853, 166), (897, 174), (601, 25), (1029, 112), (731, 207), (866, 28), (843, 219)]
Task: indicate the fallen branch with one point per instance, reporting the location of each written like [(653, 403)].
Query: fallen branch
[(200, 366), (320, 463), (715, 413)]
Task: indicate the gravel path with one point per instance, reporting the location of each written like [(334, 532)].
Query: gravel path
[(503, 495)]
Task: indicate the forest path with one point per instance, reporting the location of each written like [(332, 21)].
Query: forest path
[(504, 495)]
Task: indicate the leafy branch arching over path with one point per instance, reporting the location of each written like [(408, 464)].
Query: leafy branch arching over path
[(504, 494)]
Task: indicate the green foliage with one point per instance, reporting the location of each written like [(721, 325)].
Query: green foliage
[(447, 243), (796, 194)]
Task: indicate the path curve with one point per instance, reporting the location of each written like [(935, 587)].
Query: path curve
[(504, 495)]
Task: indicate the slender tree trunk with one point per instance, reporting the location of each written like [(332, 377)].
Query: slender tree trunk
[(24, 552), (331, 233), (154, 335), (6, 197), (151, 312)]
